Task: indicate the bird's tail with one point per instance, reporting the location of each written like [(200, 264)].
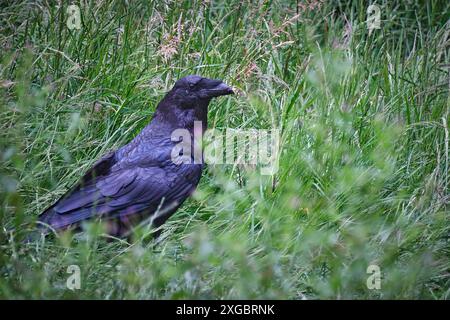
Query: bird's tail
[(47, 218), (44, 225)]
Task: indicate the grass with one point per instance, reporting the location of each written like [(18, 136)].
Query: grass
[(364, 169)]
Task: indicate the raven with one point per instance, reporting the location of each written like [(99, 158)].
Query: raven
[(141, 180)]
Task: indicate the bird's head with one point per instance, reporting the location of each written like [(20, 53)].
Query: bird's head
[(194, 87)]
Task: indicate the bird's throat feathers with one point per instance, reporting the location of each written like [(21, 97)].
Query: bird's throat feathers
[(174, 114)]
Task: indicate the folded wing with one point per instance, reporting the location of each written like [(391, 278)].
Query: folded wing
[(109, 191)]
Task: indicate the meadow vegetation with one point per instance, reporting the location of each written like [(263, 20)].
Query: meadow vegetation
[(363, 173)]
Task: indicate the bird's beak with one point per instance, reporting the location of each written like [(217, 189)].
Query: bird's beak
[(222, 89), (218, 89)]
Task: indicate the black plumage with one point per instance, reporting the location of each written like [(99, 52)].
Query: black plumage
[(140, 179)]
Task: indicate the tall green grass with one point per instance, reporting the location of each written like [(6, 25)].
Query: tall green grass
[(364, 169)]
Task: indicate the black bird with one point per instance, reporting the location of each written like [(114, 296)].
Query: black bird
[(140, 180)]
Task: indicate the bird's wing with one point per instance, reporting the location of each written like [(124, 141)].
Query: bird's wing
[(113, 191)]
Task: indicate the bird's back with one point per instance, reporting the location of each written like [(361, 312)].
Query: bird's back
[(138, 181)]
